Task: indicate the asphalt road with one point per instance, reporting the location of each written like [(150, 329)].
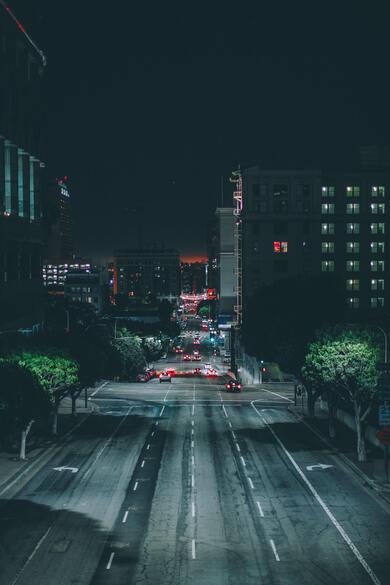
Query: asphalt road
[(183, 483)]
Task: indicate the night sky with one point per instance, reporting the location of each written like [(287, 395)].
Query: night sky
[(149, 104)]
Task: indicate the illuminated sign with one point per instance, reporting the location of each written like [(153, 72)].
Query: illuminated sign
[(211, 293)]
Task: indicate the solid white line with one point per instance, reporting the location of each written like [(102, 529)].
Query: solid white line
[(260, 509), (162, 410), (143, 463), (193, 549), (243, 460), (251, 483), (99, 454), (148, 447), (110, 560), (276, 394), (274, 550), (234, 435), (193, 509), (238, 447), (321, 502), (135, 486), (192, 480), (165, 397), (125, 517), (97, 390), (224, 411), (193, 460), (32, 555)]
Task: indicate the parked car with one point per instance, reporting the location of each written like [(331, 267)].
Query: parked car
[(233, 386), (143, 377), (165, 377), (152, 373)]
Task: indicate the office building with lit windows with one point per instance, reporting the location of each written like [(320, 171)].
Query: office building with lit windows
[(304, 222), (21, 73), (143, 271)]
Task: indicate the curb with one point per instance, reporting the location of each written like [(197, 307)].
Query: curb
[(382, 490)]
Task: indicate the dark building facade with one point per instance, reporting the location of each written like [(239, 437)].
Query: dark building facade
[(60, 241), (193, 277), (305, 222), (21, 72), (142, 271)]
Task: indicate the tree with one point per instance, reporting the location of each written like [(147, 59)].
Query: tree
[(23, 398), (282, 318), (344, 366), (132, 358)]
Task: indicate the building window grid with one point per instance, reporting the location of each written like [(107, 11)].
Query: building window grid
[(353, 247), (353, 191), (327, 208), (353, 265), (327, 247), (377, 208), (353, 284), (354, 302), (377, 265), (353, 208), (377, 247), (377, 228), (327, 266), (377, 284), (328, 191), (353, 228), (327, 229), (378, 191), (377, 302)]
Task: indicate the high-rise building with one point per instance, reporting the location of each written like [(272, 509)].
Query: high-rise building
[(144, 271), (305, 222), (54, 273), (60, 241), (21, 72), (193, 277)]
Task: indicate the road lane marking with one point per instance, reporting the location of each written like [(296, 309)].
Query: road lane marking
[(193, 509), (165, 397), (135, 486), (251, 483), (110, 560), (243, 460), (125, 517), (193, 549), (193, 460), (143, 463), (162, 410), (192, 480), (274, 550), (260, 509), (152, 435), (97, 390), (192, 444), (234, 435), (100, 453), (148, 447), (192, 423), (32, 555), (321, 502), (276, 394), (238, 447), (193, 410), (224, 411), (192, 431), (230, 424)]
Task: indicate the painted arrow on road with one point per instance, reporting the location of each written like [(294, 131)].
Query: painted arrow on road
[(318, 466), (63, 468)]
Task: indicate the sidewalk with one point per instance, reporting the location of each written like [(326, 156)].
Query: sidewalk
[(11, 468), (372, 472)]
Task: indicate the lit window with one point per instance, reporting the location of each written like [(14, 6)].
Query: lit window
[(377, 284), (377, 228), (353, 266), (377, 265), (327, 247), (377, 208), (353, 228), (353, 191), (353, 208), (284, 247), (352, 247), (353, 302), (377, 302), (378, 192), (353, 284), (277, 247), (328, 191), (377, 247), (327, 266), (327, 208), (327, 228)]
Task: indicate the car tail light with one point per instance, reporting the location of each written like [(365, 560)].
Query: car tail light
[(238, 385)]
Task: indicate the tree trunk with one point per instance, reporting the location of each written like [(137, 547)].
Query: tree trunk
[(54, 426), (331, 415), (361, 442), (74, 403), (310, 403), (23, 440)]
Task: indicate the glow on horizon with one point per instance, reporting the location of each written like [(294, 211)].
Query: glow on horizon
[(192, 258)]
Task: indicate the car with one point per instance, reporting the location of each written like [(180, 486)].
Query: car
[(152, 373), (143, 377), (165, 377), (179, 350), (226, 360), (196, 358), (211, 372), (196, 341), (197, 372), (233, 386), (171, 371), (186, 357)]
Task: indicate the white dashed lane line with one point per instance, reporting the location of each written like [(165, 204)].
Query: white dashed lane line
[(193, 509), (125, 516), (260, 509), (135, 486), (110, 560), (193, 550), (274, 550), (243, 460), (251, 483)]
